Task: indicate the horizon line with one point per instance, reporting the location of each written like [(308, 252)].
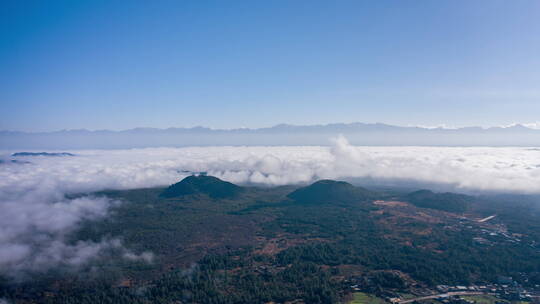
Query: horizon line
[(530, 126)]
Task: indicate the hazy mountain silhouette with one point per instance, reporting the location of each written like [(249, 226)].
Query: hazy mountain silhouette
[(377, 134), (59, 154)]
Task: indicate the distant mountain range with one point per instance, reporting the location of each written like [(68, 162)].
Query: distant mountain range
[(60, 154), (376, 134)]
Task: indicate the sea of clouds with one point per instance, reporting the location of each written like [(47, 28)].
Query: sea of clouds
[(37, 217)]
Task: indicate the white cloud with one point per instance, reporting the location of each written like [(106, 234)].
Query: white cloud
[(532, 125), (36, 216), (34, 228), (476, 168), (36, 220)]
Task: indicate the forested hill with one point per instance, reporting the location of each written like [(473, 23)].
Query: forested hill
[(325, 191), (450, 202), (202, 184)]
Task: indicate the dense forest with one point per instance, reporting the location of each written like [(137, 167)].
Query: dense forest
[(260, 245)]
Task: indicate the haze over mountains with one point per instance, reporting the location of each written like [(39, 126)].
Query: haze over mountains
[(377, 134)]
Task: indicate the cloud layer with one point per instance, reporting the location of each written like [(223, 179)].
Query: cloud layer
[(36, 216)]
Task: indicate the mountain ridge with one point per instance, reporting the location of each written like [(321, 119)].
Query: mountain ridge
[(365, 134), (283, 127)]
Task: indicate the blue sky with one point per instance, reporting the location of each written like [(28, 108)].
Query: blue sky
[(226, 64)]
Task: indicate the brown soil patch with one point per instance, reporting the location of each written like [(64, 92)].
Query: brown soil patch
[(390, 203)]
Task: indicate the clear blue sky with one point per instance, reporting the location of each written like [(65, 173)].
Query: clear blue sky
[(123, 64)]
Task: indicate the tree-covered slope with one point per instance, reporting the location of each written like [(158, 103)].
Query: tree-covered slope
[(202, 184), (328, 191), (450, 202)]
